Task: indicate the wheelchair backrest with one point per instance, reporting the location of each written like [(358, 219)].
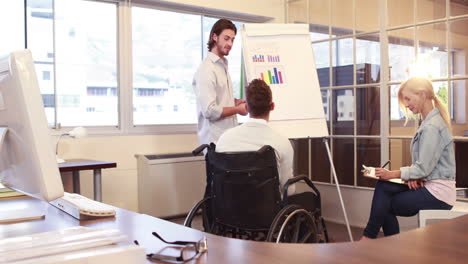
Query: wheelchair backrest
[(244, 187)]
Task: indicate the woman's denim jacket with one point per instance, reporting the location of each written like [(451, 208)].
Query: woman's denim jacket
[(432, 151)]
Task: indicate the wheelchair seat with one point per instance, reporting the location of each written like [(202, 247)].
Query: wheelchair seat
[(243, 199)]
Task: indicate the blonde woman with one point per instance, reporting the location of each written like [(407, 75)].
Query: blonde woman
[(430, 180)]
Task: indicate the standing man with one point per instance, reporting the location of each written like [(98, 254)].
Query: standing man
[(216, 106)]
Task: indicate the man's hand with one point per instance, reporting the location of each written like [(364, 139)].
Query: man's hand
[(237, 102), (242, 109), (414, 184)]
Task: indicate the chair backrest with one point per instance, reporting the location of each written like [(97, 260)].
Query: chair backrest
[(244, 187)]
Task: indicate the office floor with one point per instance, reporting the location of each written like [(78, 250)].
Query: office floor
[(336, 232)]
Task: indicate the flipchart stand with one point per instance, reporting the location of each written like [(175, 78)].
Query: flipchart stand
[(325, 141), (337, 184)]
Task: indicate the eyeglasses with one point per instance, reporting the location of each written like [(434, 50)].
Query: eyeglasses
[(188, 249)]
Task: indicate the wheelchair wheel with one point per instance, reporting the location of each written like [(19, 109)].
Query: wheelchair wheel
[(201, 205), (293, 224), (321, 229)]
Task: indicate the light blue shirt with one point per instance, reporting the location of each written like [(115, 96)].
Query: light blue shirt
[(213, 90), (432, 151)]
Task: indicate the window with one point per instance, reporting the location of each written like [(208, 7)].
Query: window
[(11, 26), (76, 59), (347, 49), (46, 75), (81, 53), (155, 92), (48, 100), (401, 53), (367, 59), (101, 91), (165, 59)]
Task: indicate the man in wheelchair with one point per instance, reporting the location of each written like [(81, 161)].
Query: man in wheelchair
[(255, 132), (250, 189)]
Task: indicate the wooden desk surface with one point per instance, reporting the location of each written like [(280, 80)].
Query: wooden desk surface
[(83, 164), (442, 242)]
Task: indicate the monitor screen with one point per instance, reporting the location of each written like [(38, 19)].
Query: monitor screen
[(27, 159)]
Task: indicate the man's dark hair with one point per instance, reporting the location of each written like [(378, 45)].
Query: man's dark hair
[(259, 98), (217, 28)]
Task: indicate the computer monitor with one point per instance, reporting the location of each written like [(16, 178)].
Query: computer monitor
[(27, 159)]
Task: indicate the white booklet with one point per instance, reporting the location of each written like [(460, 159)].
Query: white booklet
[(369, 172), (115, 254), (57, 242)]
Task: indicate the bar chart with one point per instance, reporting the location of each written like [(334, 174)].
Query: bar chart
[(271, 75), (266, 58)]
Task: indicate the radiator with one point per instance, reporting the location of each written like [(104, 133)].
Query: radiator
[(169, 185)]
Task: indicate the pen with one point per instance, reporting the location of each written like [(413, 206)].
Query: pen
[(386, 163)]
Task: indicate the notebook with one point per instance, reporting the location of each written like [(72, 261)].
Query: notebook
[(369, 172)]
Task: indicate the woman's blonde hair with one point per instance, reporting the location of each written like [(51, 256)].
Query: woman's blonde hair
[(417, 85)]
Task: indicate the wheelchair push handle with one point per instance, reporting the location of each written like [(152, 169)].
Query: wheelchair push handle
[(300, 178), (199, 149), (264, 149)]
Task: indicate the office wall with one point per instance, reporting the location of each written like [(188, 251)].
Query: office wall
[(268, 8), (120, 184)]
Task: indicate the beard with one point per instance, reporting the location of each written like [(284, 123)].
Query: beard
[(222, 51)]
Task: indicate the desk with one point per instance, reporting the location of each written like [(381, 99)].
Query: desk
[(443, 242), (75, 165)]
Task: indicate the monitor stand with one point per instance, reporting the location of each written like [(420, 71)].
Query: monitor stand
[(20, 212)]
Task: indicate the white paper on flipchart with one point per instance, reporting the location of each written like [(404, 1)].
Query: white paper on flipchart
[(298, 100)]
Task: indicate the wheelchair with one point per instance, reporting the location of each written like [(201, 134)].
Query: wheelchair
[(242, 200)]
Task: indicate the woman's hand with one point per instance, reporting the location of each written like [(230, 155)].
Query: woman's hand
[(383, 174), (414, 184)]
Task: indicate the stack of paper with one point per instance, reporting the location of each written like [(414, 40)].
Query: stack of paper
[(5, 192), (71, 245)]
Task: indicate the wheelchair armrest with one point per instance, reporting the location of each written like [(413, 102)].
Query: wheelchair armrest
[(296, 179), (199, 149)]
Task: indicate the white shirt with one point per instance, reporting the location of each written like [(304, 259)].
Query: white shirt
[(254, 134), (443, 190), (213, 90)]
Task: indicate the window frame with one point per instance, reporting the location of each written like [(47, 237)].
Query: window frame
[(125, 124), (326, 25)]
